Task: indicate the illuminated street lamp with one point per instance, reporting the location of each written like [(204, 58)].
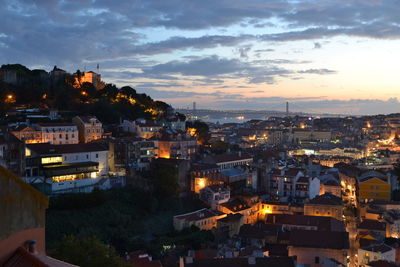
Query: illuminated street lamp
[(10, 98)]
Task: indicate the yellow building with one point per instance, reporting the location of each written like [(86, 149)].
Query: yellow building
[(251, 213), (89, 127), (88, 77), (205, 219), (373, 185), (327, 205)]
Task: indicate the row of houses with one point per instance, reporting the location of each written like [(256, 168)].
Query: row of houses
[(83, 129)]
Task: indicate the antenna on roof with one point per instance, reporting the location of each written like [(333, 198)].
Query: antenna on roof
[(98, 67)]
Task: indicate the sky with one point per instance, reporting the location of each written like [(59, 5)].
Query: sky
[(334, 56)]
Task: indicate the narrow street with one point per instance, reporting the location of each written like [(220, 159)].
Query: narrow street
[(351, 224), (351, 228)]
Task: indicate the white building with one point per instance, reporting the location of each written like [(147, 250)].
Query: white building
[(228, 161), (376, 252), (142, 128), (214, 195), (58, 133), (65, 168)]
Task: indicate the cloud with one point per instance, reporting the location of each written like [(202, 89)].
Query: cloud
[(317, 45), (318, 71), (217, 67), (313, 105), (158, 44)]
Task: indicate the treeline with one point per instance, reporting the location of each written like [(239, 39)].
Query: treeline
[(39, 89), (126, 218)]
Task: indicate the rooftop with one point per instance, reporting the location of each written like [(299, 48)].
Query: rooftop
[(382, 248), (231, 157), (55, 124), (235, 205), (48, 149), (231, 218), (198, 215), (241, 262), (372, 225), (312, 239), (322, 223), (326, 199)]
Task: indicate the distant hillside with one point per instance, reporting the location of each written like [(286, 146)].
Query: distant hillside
[(57, 89)]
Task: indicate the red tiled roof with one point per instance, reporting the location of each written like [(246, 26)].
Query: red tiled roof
[(22, 258), (145, 262), (322, 223), (259, 231), (235, 205), (231, 218), (319, 239), (86, 119), (372, 225), (327, 199)]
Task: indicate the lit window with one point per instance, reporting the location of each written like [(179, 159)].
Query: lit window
[(49, 160)]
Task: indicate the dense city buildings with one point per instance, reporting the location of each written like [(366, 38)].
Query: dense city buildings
[(298, 190)]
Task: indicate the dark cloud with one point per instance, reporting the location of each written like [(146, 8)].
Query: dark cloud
[(214, 66), (68, 33), (137, 39)]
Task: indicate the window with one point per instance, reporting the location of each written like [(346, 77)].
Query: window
[(316, 260), (97, 156), (87, 156)]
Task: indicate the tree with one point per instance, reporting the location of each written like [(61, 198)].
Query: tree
[(219, 147), (202, 132), (87, 252), (166, 180)]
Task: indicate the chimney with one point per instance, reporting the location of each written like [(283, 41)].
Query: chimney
[(181, 262)]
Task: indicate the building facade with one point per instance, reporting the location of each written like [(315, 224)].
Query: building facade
[(90, 128), (58, 133)]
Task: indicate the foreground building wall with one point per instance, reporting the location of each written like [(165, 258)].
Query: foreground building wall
[(22, 211)]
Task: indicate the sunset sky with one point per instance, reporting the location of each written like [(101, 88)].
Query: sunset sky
[(338, 56)]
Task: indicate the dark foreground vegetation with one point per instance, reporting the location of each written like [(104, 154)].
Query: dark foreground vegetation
[(125, 219)]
